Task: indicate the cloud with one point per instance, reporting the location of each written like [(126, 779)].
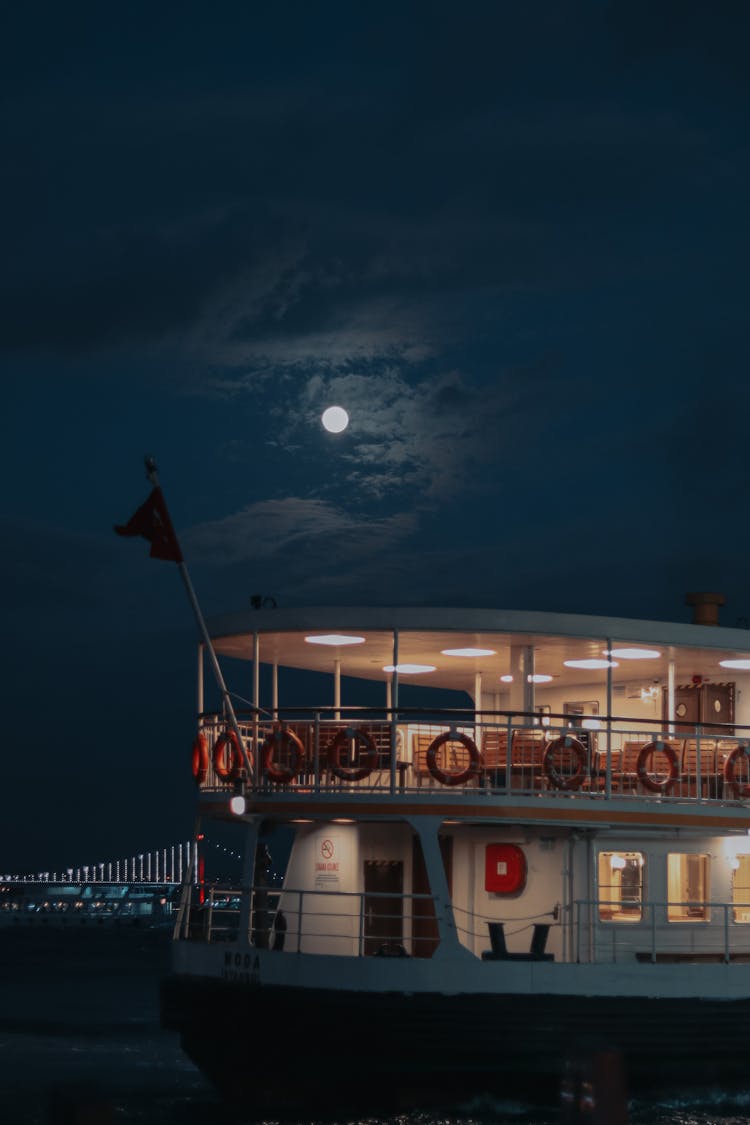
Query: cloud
[(291, 529)]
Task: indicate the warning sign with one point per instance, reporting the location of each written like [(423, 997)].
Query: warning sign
[(327, 864)]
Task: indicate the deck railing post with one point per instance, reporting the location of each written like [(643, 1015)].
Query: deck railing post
[(361, 942), (316, 751), (652, 908), (508, 752), (299, 921), (726, 933)]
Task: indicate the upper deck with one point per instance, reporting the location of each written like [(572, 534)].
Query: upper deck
[(561, 716)]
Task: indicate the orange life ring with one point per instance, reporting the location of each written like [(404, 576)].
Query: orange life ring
[(560, 780), (645, 778), (368, 757), (200, 758), (462, 776), (741, 791), (285, 740), (228, 759)]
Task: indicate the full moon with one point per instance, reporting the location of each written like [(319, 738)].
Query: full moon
[(335, 419)]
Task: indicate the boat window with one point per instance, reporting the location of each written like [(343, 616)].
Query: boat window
[(741, 888), (687, 888), (621, 886)]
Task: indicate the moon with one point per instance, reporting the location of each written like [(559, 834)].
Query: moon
[(335, 419)]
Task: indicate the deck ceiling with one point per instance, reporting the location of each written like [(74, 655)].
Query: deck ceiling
[(366, 661)]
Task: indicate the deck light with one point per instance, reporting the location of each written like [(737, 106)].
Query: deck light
[(633, 653), (595, 662), (740, 665), (237, 805), (409, 669), (335, 639), (506, 679), (468, 651), (539, 678)]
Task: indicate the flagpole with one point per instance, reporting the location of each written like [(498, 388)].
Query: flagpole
[(153, 476)]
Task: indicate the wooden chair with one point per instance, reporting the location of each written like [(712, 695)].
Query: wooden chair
[(695, 782), (495, 755), (527, 755), (420, 745), (625, 780)]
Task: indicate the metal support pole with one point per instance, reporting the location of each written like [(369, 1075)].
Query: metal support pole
[(337, 689), (608, 773), (394, 712)]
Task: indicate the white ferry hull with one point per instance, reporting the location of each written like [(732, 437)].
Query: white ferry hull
[(437, 1042)]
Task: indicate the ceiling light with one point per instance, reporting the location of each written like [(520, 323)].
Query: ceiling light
[(741, 665), (539, 678), (595, 662), (468, 652), (633, 653), (335, 639), (409, 669), (506, 679)]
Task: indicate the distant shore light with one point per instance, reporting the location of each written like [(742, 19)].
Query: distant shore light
[(335, 419)]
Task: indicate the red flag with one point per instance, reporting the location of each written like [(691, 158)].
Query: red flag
[(153, 523)]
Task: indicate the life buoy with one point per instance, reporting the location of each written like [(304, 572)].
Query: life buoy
[(367, 755), (286, 745), (645, 778), (740, 790), (560, 780), (228, 759), (200, 758), (443, 776)]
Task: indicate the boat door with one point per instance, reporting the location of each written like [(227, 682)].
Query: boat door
[(384, 916)]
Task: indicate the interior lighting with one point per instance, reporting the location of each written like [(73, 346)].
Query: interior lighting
[(409, 669), (506, 679), (237, 805), (342, 820), (618, 862), (468, 652), (335, 639), (539, 678), (741, 665), (594, 662), (633, 653)]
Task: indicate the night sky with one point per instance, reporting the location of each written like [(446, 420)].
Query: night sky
[(511, 239)]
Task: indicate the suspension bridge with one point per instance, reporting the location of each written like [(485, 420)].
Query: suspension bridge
[(169, 865)]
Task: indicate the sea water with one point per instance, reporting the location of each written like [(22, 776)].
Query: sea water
[(80, 1042)]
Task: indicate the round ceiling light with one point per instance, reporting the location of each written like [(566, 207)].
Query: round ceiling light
[(633, 653), (594, 662), (335, 639), (506, 679), (409, 669), (468, 651), (741, 665), (539, 678)]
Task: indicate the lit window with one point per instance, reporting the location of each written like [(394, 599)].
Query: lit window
[(687, 888), (621, 886), (741, 888)]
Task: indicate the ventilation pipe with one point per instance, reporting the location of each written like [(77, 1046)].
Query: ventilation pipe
[(705, 607)]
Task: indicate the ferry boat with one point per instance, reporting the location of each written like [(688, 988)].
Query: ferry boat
[(559, 855)]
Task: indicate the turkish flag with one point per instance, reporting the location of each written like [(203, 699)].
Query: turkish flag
[(153, 523)]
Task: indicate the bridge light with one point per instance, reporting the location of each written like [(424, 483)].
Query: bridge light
[(237, 805)]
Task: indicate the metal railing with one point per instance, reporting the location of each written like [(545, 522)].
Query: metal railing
[(360, 923), (691, 935), (495, 752)]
